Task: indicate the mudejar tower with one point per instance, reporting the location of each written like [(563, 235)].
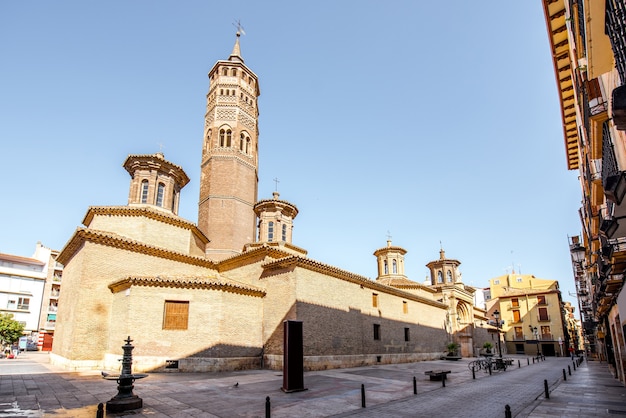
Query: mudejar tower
[(229, 169)]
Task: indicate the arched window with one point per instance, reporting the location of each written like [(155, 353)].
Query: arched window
[(144, 191), (234, 71), (174, 196), (439, 277), (385, 267), (247, 145), (241, 138), (228, 138), (160, 193), (225, 71), (284, 232), (270, 231), (449, 276), (222, 137), (395, 267)]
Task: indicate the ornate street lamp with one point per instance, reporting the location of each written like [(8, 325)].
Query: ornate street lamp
[(534, 331), (496, 314)]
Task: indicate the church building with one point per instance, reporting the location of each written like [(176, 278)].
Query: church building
[(213, 296)]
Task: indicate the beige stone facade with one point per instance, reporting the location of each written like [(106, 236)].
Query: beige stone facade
[(214, 296)]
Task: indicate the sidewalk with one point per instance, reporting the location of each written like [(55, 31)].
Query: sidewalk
[(30, 387)]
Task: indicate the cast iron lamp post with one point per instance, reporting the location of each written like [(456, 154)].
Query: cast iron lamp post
[(534, 331), (496, 314)]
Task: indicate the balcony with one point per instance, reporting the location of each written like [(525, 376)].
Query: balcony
[(49, 325), (619, 108), (546, 337)]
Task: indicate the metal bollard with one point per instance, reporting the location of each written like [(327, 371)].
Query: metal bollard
[(545, 389), (489, 367), (507, 411), (569, 370), (443, 380), (267, 407), (362, 396), (519, 364), (414, 386), (527, 361), (564, 375), (473, 373), (100, 412), (533, 360), (574, 364)]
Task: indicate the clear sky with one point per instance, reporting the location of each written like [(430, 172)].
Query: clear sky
[(431, 122)]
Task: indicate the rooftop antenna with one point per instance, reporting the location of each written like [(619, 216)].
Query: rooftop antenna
[(237, 24), (512, 263)]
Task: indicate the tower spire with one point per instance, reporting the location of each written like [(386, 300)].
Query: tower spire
[(236, 54)]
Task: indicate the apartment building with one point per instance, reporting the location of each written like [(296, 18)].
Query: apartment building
[(588, 44)]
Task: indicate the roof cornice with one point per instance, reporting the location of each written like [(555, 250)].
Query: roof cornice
[(312, 265), (144, 212), (187, 282), (83, 235)]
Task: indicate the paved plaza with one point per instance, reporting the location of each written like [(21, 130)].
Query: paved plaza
[(31, 387)]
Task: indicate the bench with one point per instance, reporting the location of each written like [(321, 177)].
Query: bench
[(437, 374)]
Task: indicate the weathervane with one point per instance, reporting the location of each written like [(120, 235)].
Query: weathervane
[(240, 30)]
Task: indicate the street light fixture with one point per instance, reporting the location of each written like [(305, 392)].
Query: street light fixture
[(496, 314), (534, 331)]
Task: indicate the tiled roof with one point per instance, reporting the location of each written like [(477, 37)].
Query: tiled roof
[(337, 273), (188, 282), (83, 235)]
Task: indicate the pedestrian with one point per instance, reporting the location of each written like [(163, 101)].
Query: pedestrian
[(571, 352)]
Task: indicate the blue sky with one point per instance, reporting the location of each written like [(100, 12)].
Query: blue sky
[(430, 123)]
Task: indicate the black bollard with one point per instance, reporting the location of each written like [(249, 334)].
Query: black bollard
[(545, 389), (443, 380), (527, 361), (473, 373), (362, 396), (574, 364), (564, 375), (519, 364), (100, 412), (533, 360), (507, 411), (414, 386), (569, 370), (489, 367), (267, 407)]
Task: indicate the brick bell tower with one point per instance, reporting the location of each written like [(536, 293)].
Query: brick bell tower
[(229, 169)]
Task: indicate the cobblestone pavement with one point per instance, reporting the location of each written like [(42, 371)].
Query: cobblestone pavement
[(30, 387)]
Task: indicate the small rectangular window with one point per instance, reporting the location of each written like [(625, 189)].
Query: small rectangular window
[(497, 281), (175, 315), (516, 316), (405, 307), (377, 331), (270, 231), (407, 334), (23, 303), (541, 299), (543, 314), (519, 334), (515, 303), (375, 300)]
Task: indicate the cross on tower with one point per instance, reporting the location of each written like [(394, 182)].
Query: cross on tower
[(276, 181), (240, 30)]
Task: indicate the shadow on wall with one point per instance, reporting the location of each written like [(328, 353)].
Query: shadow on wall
[(332, 338)]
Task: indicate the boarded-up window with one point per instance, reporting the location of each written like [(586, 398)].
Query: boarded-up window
[(175, 315), (405, 307), (516, 316), (375, 300)]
